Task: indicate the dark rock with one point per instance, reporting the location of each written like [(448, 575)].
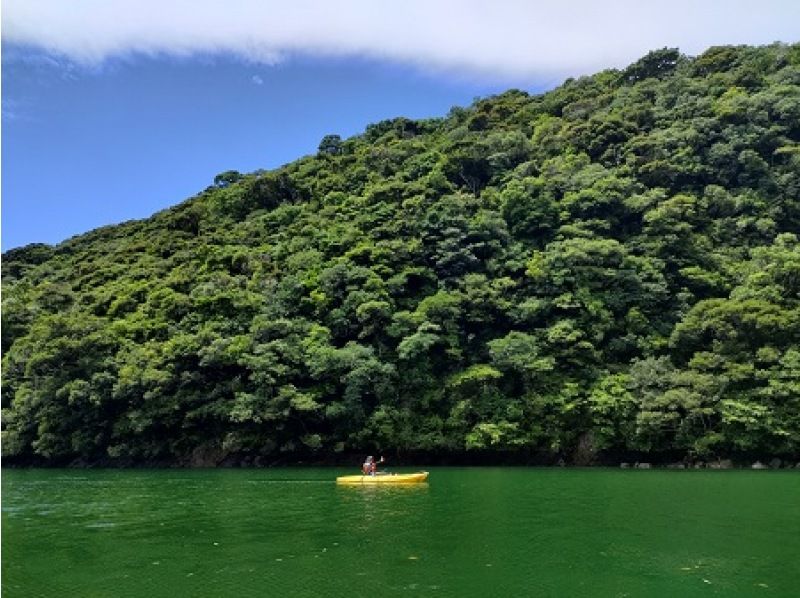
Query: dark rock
[(721, 464), (206, 455)]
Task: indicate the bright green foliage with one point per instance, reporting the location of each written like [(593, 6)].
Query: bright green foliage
[(609, 267)]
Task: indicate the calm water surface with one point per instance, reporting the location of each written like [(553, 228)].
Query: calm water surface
[(468, 532)]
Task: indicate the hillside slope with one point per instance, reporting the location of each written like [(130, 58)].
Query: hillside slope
[(611, 268)]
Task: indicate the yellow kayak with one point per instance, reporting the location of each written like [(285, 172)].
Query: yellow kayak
[(386, 478)]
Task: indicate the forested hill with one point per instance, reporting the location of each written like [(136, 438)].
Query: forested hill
[(609, 269)]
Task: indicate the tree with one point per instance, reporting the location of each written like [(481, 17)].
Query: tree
[(657, 63), (229, 177), (330, 145)]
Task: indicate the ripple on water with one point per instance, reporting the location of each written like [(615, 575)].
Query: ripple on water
[(100, 525)]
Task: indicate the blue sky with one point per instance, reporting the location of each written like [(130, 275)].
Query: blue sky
[(115, 110), (86, 147)]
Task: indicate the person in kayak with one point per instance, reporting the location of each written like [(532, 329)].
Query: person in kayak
[(370, 466)]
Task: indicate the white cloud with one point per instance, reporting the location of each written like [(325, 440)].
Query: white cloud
[(511, 39), (257, 80)]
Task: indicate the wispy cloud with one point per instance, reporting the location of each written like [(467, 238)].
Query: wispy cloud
[(39, 61), (257, 80), (10, 109), (498, 38)]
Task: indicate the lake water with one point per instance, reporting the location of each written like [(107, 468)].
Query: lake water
[(467, 532)]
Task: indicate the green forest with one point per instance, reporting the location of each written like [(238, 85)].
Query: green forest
[(606, 271)]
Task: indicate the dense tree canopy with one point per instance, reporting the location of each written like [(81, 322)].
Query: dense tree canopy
[(609, 268)]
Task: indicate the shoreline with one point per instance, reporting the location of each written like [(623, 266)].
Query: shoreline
[(771, 464)]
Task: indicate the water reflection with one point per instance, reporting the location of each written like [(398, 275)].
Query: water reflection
[(384, 488)]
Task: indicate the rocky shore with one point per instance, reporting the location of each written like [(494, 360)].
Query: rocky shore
[(774, 463)]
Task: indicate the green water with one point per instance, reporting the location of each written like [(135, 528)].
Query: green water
[(468, 532)]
